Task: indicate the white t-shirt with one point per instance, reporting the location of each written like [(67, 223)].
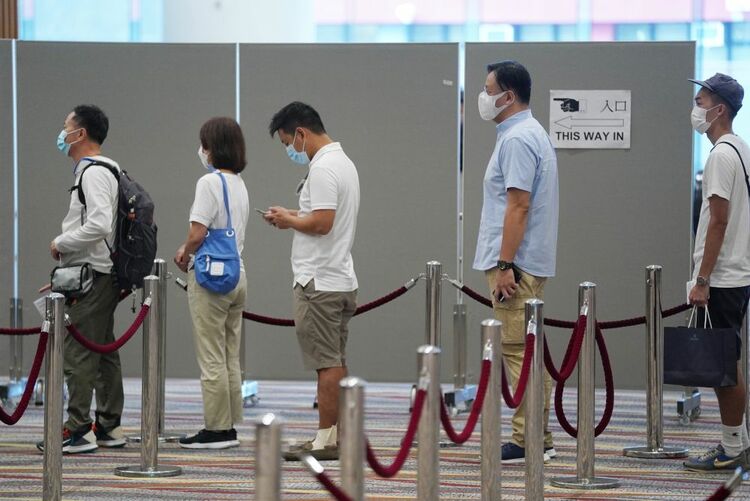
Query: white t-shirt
[(332, 183), (723, 177), (208, 206)]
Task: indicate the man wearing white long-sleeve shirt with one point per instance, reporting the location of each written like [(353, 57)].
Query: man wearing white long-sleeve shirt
[(88, 223)]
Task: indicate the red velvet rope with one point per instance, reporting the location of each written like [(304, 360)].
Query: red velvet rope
[(476, 296), (20, 332), (515, 399), (571, 354), (720, 494), (476, 409), (115, 345), (288, 322), (564, 324), (36, 330), (261, 319), (610, 395), (334, 489), (30, 384), (406, 443)]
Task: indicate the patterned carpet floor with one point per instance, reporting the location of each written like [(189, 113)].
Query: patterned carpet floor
[(229, 474)]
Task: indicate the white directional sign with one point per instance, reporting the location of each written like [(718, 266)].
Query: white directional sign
[(590, 118)]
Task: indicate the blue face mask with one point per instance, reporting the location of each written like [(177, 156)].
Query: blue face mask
[(61, 144), (298, 157)]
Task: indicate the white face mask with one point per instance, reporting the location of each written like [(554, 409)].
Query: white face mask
[(487, 108), (204, 158), (698, 119)]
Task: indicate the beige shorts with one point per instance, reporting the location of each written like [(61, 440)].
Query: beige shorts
[(321, 319)]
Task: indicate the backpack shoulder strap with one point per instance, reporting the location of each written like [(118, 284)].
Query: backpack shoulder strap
[(744, 170), (78, 187)]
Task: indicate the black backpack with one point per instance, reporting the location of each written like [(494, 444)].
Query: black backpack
[(134, 248)]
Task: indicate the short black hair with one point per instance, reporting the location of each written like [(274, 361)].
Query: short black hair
[(93, 119), (296, 114), (222, 137), (512, 75)]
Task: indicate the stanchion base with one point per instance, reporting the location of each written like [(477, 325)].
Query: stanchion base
[(448, 445), (659, 453), (12, 390), (139, 472), (164, 438), (460, 399), (585, 483)]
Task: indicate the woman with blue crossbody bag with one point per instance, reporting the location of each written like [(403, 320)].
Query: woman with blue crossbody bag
[(216, 280)]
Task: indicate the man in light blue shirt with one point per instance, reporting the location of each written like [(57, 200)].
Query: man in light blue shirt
[(517, 241)]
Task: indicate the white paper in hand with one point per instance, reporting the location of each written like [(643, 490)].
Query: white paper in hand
[(41, 306)]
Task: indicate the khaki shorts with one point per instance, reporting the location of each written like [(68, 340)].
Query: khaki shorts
[(321, 319)]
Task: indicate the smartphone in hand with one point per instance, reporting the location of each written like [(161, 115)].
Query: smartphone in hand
[(516, 278), (261, 212)]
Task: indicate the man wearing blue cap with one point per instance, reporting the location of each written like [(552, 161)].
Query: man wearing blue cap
[(721, 258)]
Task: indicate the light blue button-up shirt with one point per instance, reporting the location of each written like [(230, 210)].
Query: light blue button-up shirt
[(524, 158)]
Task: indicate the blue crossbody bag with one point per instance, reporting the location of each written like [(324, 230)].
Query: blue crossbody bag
[(217, 262)]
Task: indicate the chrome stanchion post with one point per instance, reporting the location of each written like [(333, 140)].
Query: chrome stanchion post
[(655, 373), (53, 410), (149, 466), (459, 345), (585, 478), (160, 270), (352, 436), (249, 387), (534, 403), (16, 381), (434, 277), (463, 394), (268, 458), (16, 342), (428, 473), (491, 428)]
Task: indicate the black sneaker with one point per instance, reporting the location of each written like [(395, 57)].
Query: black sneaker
[(75, 442), (207, 439), (514, 454), (113, 438)]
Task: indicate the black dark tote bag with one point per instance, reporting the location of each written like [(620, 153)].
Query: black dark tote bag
[(703, 357)]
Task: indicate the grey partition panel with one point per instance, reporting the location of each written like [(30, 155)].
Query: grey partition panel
[(394, 109), (6, 197), (156, 97), (620, 210)]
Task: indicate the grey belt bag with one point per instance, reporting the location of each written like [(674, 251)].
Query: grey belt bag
[(73, 281)]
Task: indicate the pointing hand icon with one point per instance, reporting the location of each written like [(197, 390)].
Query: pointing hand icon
[(567, 104)]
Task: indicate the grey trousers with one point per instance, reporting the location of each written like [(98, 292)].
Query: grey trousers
[(87, 372)]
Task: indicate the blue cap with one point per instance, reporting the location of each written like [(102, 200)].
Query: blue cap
[(725, 87)]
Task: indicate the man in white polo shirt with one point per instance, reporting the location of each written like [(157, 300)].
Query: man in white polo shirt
[(325, 285)]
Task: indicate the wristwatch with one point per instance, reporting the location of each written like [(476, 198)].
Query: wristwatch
[(702, 281), (504, 265)]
